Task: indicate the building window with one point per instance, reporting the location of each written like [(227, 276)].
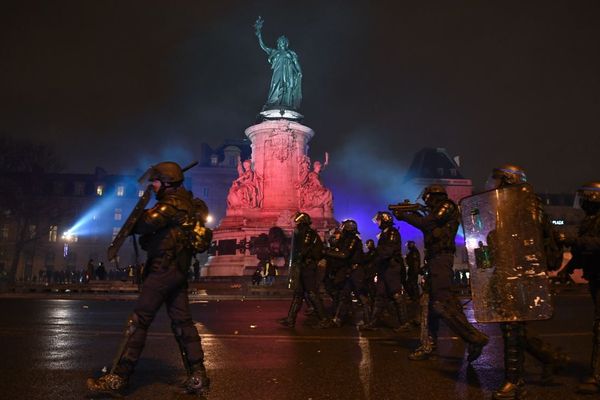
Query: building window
[(115, 232), (79, 188), (4, 231), (49, 261), (53, 233), (120, 190), (99, 190), (453, 172), (440, 171), (140, 193), (205, 192), (214, 160), (118, 214)]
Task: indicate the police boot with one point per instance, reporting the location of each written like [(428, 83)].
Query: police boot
[(374, 317), (514, 346), (192, 355), (591, 385), (324, 320), (552, 359), (366, 310), (197, 382), (452, 314), (110, 384), (426, 351), (339, 314), (114, 383), (290, 320), (401, 312)]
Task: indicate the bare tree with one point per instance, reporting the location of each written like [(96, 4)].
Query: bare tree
[(23, 200)]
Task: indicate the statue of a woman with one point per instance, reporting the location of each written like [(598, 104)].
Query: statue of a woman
[(286, 82), (246, 190)]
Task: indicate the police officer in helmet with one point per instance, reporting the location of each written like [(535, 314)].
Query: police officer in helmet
[(350, 278), (585, 248), (516, 339), (388, 262), (306, 252), (439, 224), (169, 254)]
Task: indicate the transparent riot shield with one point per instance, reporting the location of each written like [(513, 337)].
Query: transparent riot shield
[(503, 237)]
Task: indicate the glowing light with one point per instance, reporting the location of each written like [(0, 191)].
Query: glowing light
[(558, 222), (69, 237), (120, 190), (99, 190), (209, 219)]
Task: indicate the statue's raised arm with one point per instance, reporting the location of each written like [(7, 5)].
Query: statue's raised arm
[(258, 26)]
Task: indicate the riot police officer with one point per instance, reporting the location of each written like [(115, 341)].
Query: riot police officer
[(388, 261), (307, 250), (351, 274), (586, 254), (163, 229), (369, 269), (516, 339), (439, 224), (413, 262), (333, 266)]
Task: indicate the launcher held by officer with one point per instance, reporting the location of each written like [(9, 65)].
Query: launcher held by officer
[(169, 234), (439, 221)]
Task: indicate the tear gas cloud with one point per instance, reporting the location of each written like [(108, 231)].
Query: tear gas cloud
[(363, 184)]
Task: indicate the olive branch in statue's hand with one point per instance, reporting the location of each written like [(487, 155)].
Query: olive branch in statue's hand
[(258, 24)]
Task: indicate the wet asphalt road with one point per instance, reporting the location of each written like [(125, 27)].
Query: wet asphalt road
[(49, 347)]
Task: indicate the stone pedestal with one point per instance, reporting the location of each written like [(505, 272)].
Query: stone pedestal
[(280, 164)]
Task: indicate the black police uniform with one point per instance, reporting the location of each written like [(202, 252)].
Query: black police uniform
[(439, 226), (306, 252), (586, 254), (388, 263), (165, 282), (350, 275), (413, 262)]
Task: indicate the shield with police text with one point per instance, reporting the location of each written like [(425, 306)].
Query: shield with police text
[(504, 241)]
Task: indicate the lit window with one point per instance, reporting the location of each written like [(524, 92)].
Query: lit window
[(120, 190), (118, 214), (115, 232), (140, 193), (53, 233), (214, 160), (99, 190)]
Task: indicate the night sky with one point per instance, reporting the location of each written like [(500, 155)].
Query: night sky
[(121, 83)]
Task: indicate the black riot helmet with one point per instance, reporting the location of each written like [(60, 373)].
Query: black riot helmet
[(588, 197), (505, 175), (350, 226), (302, 218), (168, 172), (383, 219), (433, 193)]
